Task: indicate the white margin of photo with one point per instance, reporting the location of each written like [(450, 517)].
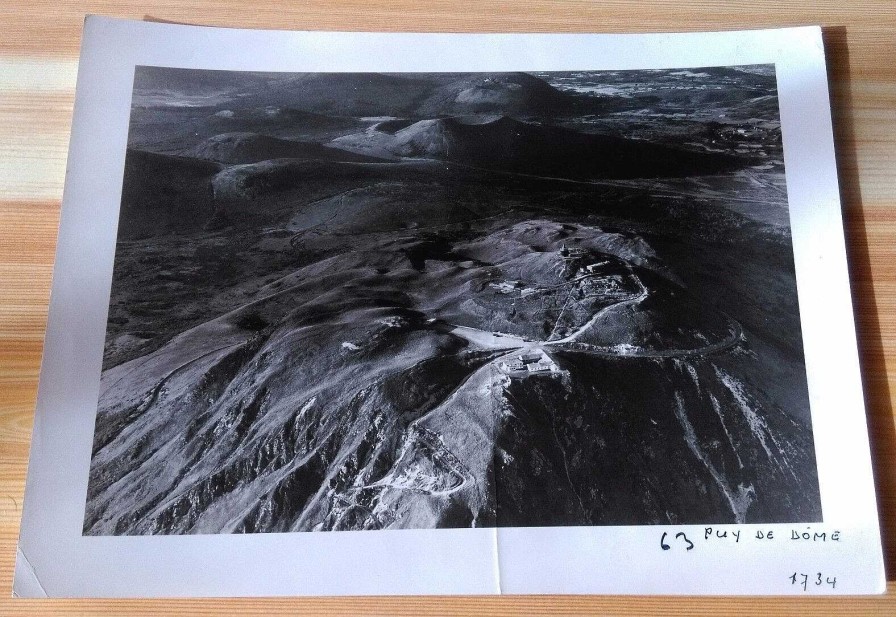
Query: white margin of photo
[(54, 558)]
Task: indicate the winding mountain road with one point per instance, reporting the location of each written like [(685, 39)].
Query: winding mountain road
[(510, 342)]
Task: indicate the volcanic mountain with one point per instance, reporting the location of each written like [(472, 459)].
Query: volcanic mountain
[(332, 402), (514, 94), (506, 144), (243, 147)]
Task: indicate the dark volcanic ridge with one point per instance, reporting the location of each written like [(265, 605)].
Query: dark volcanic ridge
[(510, 145), (244, 147), (244, 435)]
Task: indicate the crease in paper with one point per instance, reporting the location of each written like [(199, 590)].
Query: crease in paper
[(26, 583)]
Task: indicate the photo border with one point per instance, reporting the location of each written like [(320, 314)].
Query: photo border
[(55, 559)]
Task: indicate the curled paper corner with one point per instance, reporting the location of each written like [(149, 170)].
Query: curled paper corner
[(497, 561), (881, 581), (26, 583)]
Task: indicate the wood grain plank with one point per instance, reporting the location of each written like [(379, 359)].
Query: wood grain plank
[(30, 31)]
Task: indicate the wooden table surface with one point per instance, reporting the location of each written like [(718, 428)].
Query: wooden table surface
[(39, 42)]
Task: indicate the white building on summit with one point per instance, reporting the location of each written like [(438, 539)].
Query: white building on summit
[(570, 253), (532, 362)]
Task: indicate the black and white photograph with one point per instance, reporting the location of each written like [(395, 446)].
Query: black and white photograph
[(377, 301)]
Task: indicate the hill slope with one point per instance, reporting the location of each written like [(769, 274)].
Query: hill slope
[(510, 145)]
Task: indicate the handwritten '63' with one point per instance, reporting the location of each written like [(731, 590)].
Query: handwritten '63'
[(681, 539)]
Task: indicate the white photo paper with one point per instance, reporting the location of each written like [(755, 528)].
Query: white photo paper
[(358, 313)]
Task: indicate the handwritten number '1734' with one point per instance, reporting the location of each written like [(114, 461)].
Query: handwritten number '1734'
[(806, 580), (679, 536)]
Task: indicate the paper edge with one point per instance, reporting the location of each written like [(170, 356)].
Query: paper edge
[(25, 575), (26, 583)]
